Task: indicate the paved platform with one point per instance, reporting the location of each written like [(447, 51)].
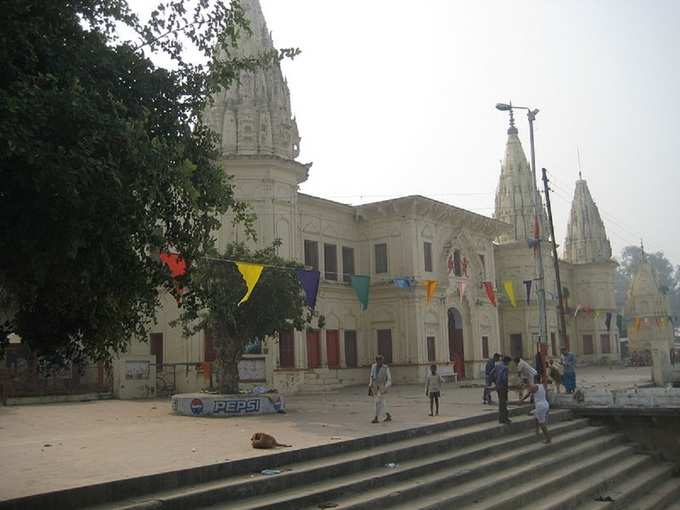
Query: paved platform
[(55, 446)]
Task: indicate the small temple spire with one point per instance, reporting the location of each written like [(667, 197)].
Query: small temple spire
[(516, 191), (586, 240)]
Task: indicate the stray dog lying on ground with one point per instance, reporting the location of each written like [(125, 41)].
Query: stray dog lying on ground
[(265, 441)]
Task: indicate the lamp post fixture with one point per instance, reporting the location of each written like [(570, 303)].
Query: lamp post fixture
[(540, 274)]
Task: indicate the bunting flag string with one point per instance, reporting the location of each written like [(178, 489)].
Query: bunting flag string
[(489, 292), (361, 285), (510, 291), (461, 289), (527, 284), (309, 281), (251, 274), (178, 267), (535, 241), (176, 264), (430, 287), (402, 283)]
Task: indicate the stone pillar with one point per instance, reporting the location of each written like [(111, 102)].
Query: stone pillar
[(662, 371)]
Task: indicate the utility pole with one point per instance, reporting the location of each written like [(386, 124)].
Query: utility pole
[(540, 276), (563, 324)]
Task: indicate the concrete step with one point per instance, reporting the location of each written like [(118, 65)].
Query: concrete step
[(373, 482), (667, 495), (412, 484), (233, 480), (576, 488), (673, 506), (514, 486), (646, 490), (661, 497)]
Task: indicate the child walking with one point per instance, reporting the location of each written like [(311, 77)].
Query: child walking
[(433, 389)]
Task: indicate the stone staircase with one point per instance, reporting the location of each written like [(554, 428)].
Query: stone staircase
[(472, 463)]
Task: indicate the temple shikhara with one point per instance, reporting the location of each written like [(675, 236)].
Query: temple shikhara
[(483, 299)]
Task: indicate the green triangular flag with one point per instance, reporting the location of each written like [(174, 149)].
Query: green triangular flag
[(360, 285)]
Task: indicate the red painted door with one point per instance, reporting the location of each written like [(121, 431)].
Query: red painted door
[(157, 347), (333, 348), (313, 350), (385, 344), (287, 349), (516, 346), (456, 342)]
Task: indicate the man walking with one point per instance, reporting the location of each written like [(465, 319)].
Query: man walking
[(501, 378), (527, 374), (488, 378), (379, 382)]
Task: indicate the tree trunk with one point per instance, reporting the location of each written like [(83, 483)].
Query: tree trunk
[(229, 352)]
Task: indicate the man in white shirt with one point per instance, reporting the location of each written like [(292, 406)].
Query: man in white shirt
[(526, 374), (379, 382)]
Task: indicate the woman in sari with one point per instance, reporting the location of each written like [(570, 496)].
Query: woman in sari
[(569, 375)]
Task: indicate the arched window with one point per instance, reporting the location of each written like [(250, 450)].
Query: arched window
[(456, 263)]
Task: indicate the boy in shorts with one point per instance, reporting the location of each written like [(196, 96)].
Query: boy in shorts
[(433, 389)]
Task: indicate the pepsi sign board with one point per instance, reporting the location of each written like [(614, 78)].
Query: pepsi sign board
[(199, 404), (240, 406)]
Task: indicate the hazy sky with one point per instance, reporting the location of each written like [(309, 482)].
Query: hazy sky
[(396, 97)]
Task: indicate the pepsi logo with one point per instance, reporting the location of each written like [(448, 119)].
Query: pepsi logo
[(196, 406)]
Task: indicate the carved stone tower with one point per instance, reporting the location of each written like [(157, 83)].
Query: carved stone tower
[(516, 188), (648, 308), (592, 282), (515, 260), (650, 329), (254, 114), (586, 240), (259, 143)]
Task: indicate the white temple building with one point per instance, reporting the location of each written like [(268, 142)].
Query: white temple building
[(413, 237)]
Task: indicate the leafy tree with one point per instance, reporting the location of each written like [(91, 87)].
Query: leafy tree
[(668, 276), (212, 302), (104, 159)]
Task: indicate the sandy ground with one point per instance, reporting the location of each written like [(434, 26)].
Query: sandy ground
[(54, 446)]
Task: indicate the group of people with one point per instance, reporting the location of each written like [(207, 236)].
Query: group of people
[(533, 381)]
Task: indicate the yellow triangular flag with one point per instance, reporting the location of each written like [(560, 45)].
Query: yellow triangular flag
[(251, 274), (430, 286), (510, 291)]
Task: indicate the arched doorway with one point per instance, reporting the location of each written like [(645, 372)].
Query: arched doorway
[(456, 350)]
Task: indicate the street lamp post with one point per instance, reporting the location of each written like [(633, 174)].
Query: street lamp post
[(540, 274)]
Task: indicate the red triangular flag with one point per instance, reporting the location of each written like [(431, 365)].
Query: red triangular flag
[(175, 263), (489, 292)]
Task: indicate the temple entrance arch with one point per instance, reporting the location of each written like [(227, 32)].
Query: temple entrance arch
[(456, 342)]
